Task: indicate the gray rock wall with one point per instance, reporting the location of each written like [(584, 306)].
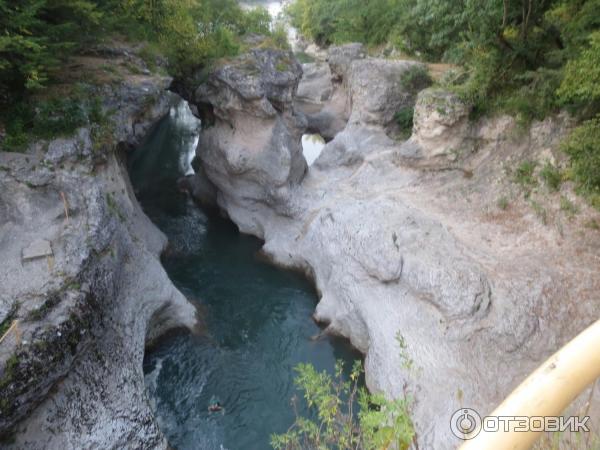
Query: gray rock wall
[(89, 299)]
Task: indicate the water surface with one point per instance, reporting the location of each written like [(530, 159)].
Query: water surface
[(257, 318)]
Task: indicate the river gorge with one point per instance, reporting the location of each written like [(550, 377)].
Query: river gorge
[(256, 319), (152, 266)]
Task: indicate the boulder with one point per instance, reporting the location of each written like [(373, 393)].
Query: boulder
[(315, 87), (251, 150), (441, 125), (340, 58), (378, 91)]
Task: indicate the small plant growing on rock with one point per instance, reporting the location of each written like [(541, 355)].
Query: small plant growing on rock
[(381, 423), (567, 206), (404, 119), (523, 174), (503, 203), (540, 212), (416, 78), (407, 362), (551, 176)]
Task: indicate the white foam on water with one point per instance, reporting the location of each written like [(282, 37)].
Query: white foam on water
[(190, 125)]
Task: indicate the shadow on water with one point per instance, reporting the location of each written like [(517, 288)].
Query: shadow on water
[(258, 318)]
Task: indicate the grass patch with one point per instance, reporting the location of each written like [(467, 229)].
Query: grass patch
[(551, 177), (503, 203), (592, 224), (404, 119), (304, 58), (50, 118), (10, 371), (524, 174), (150, 54), (281, 66), (540, 212), (567, 206)]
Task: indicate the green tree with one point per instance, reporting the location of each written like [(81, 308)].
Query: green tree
[(36, 36)]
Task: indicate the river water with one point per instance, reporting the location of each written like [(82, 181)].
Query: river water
[(257, 318)]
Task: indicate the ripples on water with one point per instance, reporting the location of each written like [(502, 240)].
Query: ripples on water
[(258, 318)]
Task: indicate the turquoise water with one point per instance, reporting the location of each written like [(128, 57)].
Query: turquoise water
[(257, 318)]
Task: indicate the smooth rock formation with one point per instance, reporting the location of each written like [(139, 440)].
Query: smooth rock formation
[(316, 86), (40, 248), (251, 149), (71, 366), (441, 126), (377, 91), (340, 59), (477, 296)]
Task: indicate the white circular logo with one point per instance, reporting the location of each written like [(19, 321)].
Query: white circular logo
[(465, 423)]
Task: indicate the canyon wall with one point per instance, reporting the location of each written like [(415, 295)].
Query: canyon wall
[(452, 299), (82, 290)]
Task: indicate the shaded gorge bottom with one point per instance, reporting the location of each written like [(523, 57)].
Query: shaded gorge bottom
[(256, 318)]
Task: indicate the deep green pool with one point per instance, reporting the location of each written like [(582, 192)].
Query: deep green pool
[(257, 318)]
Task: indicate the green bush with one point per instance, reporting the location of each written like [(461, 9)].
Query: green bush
[(256, 20), (581, 83), (583, 148), (524, 174), (416, 78), (517, 55), (50, 118), (381, 423), (551, 176), (404, 119)]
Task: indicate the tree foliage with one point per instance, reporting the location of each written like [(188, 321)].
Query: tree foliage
[(345, 416), (35, 34), (39, 35), (528, 57)]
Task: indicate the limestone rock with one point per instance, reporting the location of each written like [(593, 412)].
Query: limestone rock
[(315, 86), (400, 252), (377, 91), (252, 151), (441, 124), (37, 249), (340, 58), (72, 372)]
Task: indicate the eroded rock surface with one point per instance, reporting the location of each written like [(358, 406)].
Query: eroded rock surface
[(478, 296), (251, 147), (82, 285)]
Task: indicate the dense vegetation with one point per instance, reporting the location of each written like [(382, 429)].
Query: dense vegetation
[(39, 36), (345, 416), (529, 58)]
